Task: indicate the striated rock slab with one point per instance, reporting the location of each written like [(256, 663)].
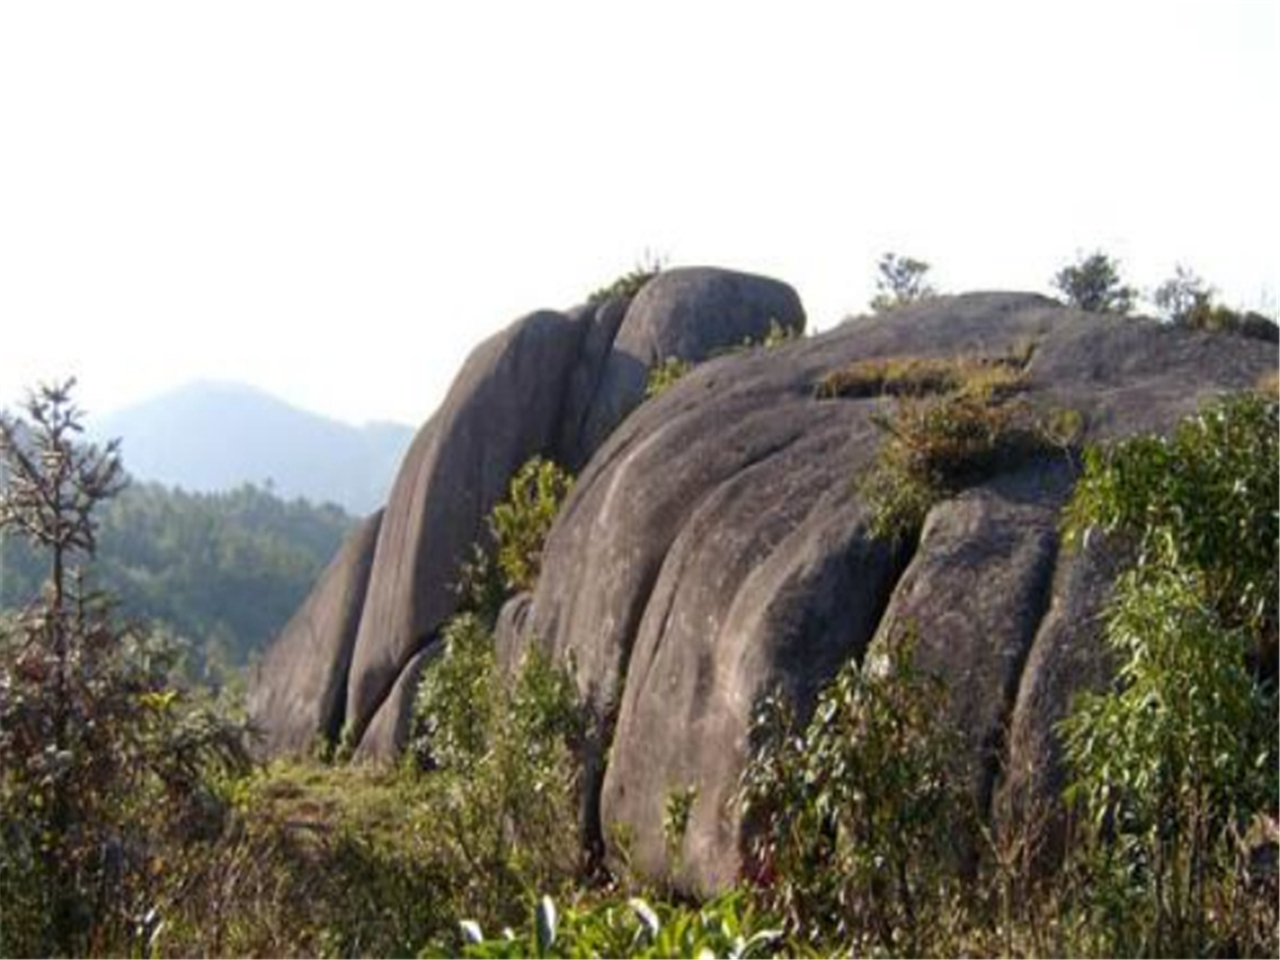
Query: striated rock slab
[(298, 693), (715, 549)]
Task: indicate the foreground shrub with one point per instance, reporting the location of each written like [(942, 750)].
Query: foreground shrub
[(1175, 767), (859, 826), (504, 778), (105, 760)]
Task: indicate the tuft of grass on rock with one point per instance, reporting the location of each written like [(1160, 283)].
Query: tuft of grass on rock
[(976, 376)]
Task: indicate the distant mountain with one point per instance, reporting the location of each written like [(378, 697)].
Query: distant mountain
[(213, 436)]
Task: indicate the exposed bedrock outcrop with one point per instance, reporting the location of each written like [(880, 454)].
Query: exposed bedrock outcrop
[(715, 548), (298, 692), (528, 390)]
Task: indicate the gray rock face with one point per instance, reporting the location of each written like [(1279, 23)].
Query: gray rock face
[(714, 549), (388, 731), (503, 408), (689, 313), (299, 691), (972, 599), (529, 390)]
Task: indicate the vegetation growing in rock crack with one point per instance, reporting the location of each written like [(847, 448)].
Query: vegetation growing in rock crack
[(663, 376), (518, 528), (627, 285), (953, 423)]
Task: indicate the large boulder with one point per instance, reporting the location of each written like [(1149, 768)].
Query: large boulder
[(529, 390), (299, 690), (689, 313), (503, 408), (715, 550)]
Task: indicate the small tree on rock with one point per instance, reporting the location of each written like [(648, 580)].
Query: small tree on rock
[(901, 281), (1093, 284)]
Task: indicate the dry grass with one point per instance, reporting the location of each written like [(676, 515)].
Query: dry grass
[(982, 378), (1269, 385)]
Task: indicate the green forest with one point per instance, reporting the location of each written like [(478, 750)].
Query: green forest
[(220, 572)]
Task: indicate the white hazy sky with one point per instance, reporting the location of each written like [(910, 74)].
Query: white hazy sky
[(335, 202)]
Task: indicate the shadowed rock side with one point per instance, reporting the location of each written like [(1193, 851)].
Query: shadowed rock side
[(528, 390), (714, 549), (503, 408), (388, 733), (298, 692), (1068, 656), (973, 597)]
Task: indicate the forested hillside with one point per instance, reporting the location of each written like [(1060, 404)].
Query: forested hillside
[(222, 571)]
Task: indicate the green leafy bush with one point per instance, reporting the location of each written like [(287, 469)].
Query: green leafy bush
[(1093, 283), (1176, 765), (520, 523), (502, 755), (858, 823), (1202, 500)]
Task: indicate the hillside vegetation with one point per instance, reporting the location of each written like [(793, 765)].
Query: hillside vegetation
[(220, 572), (135, 822)]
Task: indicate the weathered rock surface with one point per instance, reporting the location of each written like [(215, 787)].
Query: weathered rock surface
[(388, 732), (714, 549), (503, 408), (529, 390), (299, 691), (689, 313)]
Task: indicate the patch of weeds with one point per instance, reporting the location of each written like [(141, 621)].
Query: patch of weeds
[(955, 422), (936, 447), (628, 284), (663, 376)]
